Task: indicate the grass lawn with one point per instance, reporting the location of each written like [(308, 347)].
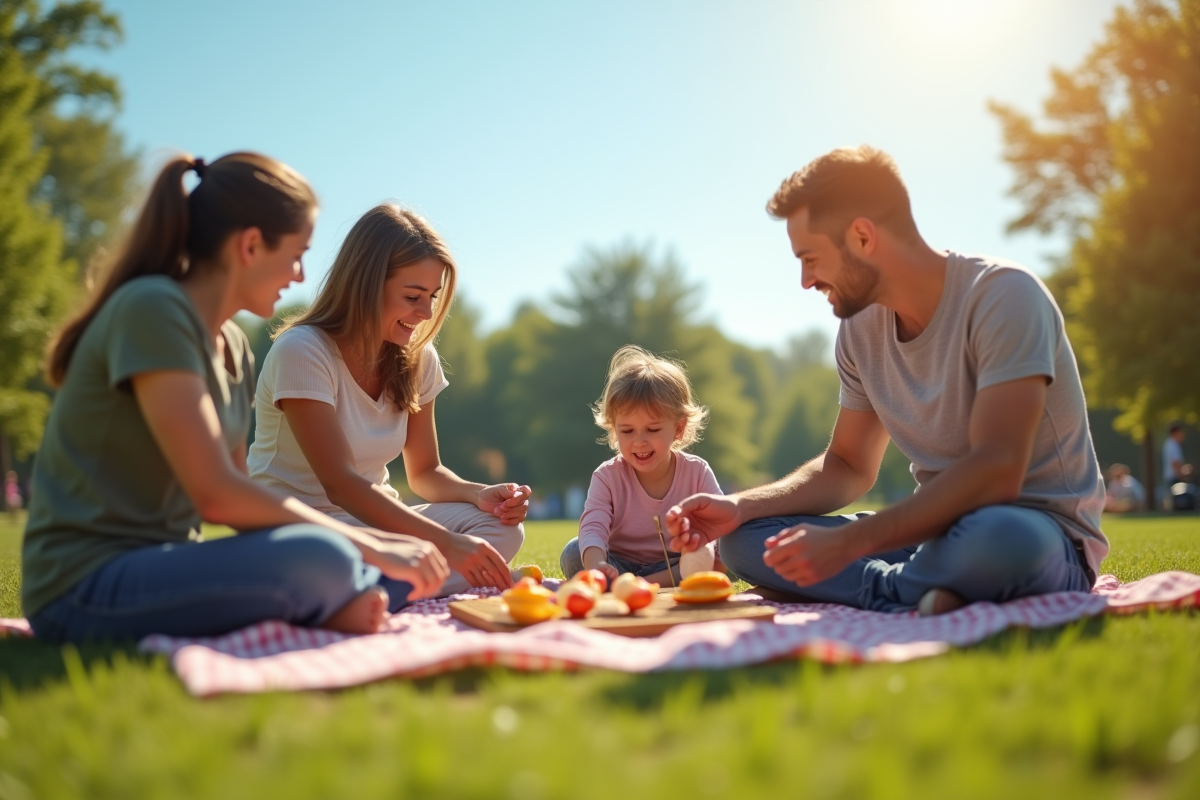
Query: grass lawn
[(1103, 708)]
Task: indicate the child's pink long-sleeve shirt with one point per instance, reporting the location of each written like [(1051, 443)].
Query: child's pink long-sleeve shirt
[(619, 516)]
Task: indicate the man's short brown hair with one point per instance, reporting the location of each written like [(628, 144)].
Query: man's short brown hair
[(846, 184)]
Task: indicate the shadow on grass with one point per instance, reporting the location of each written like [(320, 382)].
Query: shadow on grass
[(29, 664)]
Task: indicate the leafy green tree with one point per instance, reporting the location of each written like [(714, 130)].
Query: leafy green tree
[(89, 174), (1118, 167), (468, 439), (34, 279)]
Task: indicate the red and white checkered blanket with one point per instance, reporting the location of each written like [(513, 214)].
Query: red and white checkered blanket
[(425, 640)]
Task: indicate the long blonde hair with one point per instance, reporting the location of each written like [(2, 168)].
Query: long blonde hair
[(176, 229), (639, 379), (349, 305)]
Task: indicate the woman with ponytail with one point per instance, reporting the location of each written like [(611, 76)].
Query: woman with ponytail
[(147, 438)]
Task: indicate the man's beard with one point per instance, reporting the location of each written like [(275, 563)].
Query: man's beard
[(858, 286)]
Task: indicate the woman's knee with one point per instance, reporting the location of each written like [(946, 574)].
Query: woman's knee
[(315, 557), (508, 539), (473, 521)]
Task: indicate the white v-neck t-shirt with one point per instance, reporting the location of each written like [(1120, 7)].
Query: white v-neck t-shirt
[(304, 363)]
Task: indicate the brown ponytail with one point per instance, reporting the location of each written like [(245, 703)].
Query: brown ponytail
[(177, 230)]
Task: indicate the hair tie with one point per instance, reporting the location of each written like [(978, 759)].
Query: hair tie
[(199, 166)]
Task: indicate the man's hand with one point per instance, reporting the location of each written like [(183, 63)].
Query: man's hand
[(477, 561), (700, 519), (808, 554), (508, 501)]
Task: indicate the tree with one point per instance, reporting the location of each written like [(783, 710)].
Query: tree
[(1119, 169), (467, 435), (34, 279), (89, 174)]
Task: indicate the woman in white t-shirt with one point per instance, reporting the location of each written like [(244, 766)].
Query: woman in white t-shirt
[(349, 385)]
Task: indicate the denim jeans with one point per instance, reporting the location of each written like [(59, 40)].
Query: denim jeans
[(571, 561), (996, 554), (300, 574)]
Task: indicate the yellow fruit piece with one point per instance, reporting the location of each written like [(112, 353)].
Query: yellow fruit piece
[(529, 613), (704, 587), (702, 595), (526, 590), (531, 571)]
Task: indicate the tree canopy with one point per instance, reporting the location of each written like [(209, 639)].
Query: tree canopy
[(34, 279), (1117, 165), (65, 176)]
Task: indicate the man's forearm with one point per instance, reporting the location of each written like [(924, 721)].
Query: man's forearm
[(975, 481), (821, 486)]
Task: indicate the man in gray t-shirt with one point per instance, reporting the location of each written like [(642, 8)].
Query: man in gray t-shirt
[(964, 363)]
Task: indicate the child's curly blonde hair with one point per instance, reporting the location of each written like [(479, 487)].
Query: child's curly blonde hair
[(638, 378)]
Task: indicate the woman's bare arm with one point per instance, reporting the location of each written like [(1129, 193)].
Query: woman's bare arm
[(183, 420), (323, 442)]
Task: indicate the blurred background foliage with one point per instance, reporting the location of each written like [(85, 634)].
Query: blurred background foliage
[(1116, 164)]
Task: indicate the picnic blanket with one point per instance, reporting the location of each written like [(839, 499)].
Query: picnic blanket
[(424, 640)]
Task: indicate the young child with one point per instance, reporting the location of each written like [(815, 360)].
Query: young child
[(650, 416)]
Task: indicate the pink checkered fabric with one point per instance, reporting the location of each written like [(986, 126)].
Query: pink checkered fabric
[(425, 640)]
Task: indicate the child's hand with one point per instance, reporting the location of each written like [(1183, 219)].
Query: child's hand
[(609, 571), (508, 501)]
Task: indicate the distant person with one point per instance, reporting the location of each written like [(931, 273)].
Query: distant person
[(12, 494), (1173, 462), (147, 436), (1123, 492), (963, 362), (349, 386), (650, 419)]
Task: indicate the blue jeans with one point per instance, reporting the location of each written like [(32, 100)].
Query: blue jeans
[(996, 554), (300, 574), (571, 561)]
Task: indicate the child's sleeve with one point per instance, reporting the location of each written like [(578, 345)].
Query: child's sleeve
[(708, 480), (595, 525)]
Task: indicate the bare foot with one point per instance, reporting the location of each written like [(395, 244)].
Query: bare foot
[(363, 614), (939, 601)]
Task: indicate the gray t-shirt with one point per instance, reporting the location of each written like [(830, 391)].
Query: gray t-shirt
[(101, 485), (996, 322)]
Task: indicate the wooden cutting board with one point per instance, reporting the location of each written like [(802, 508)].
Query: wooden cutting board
[(488, 614)]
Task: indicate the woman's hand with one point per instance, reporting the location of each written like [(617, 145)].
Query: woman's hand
[(477, 561), (508, 501), (411, 560)]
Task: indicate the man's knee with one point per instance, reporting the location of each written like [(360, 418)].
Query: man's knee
[(1011, 539)]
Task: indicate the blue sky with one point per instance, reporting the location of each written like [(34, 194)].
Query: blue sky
[(525, 131)]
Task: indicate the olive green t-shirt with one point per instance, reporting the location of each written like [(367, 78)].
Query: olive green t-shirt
[(101, 486)]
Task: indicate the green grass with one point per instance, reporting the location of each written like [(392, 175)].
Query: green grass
[(1103, 708)]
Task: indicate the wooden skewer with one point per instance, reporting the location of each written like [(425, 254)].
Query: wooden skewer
[(666, 555)]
